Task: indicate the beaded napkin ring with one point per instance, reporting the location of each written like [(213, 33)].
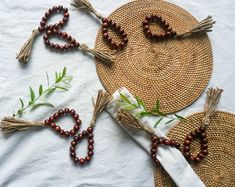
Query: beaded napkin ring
[(213, 97), (53, 30), (202, 27), (106, 24), (11, 125)]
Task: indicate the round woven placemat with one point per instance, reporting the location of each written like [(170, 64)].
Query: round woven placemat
[(218, 167), (174, 71)]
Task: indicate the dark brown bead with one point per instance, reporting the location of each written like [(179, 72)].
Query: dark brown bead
[(198, 132), (76, 127), (146, 28), (104, 30), (187, 142), (187, 154), (66, 15), (173, 33), (204, 141), (91, 142), (204, 146), (88, 158), (81, 161), (90, 136), (90, 130), (84, 132), (177, 146), (192, 158), (121, 31), (65, 20), (157, 162), (65, 10), (76, 138), (189, 137), (105, 20), (64, 35), (154, 139), (166, 25), (41, 29), (201, 156), (166, 142), (204, 152), (76, 159), (204, 135), (160, 141), (80, 136), (55, 8), (66, 110), (52, 45), (57, 129), (125, 40), (55, 31), (90, 147), (202, 129), (124, 35), (53, 125), (154, 145), (73, 41), (73, 143), (67, 134), (44, 18), (51, 119), (56, 26), (72, 132), (197, 159), (106, 35), (57, 46), (76, 116), (145, 22), (60, 112), (169, 29), (61, 132), (118, 27), (77, 44), (51, 10), (153, 151), (61, 23), (109, 39), (72, 149), (73, 154), (172, 142), (47, 122), (47, 14), (163, 21), (78, 122), (47, 42), (60, 7), (105, 25), (90, 153), (51, 27), (186, 148), (193, 134), (49, 32)]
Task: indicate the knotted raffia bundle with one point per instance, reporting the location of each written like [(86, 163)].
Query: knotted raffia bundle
[(12, 125)]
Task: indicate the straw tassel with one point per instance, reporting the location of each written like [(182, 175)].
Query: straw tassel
[(25, 52), (11, 125), (126, 118), (202, 27), (103, 56), (103, 98), (213, 98), (85, 4)]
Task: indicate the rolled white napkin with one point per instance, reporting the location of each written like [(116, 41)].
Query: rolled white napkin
[(171, 159)]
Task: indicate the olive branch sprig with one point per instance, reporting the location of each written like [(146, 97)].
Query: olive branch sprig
[(61, 82), (127, 105)]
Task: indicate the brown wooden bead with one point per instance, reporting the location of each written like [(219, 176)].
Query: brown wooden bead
[(82, 161)]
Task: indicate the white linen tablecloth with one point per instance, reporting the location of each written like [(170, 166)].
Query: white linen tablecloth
[(40, 158)]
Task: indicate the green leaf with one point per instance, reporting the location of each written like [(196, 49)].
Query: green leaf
[(20, 112), (32, 95), (22, 103), (140, 103), (169, 121), (50, 90), (64, 72), (157, 107), (42, 104), (143, 114), (61, 88), (159, 121), (125, 98), (130, 107), (48, 82), (180, 118), (40, 90)]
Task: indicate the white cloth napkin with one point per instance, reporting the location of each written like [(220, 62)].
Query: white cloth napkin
[(171, 159)]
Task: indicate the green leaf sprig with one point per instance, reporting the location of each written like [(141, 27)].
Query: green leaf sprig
[(62, 82), (127, 105)]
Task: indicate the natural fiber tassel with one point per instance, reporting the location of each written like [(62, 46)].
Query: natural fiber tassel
[(11, 125), (213, 98), (26, 50), (126, 118), (204, 26), (103, 56), (103, 98), (86, 5)]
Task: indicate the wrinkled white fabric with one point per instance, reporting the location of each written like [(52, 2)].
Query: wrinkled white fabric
[(171, 159), (40, 158)]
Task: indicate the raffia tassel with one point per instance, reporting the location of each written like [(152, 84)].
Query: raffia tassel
[(25, 52), (103, 98), (11, 125), (126, 118), (212, 101), (103, 56), (203, 26), (86, 5)]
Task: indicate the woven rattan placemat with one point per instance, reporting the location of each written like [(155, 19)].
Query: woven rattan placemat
[(174, 71), (218, 167)]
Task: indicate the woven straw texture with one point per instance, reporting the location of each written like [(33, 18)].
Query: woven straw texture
[(174, 71), (218, 167)]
